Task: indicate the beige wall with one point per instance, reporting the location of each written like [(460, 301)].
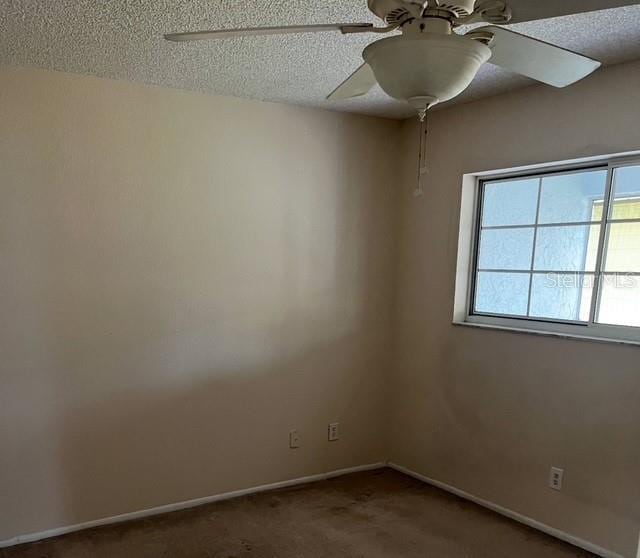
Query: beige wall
[(184, 279), (490, 412)]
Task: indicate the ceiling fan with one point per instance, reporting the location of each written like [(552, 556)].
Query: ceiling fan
[(429, 62)]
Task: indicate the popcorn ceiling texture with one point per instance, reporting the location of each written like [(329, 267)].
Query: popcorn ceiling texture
[(122, 39)]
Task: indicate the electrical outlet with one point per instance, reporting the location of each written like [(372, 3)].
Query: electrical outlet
[(334, 433), (555, 478), (294, 439)]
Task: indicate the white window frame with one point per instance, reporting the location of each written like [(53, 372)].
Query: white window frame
[(468, 252)]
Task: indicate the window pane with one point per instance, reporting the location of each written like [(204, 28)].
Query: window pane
[(626, 203), (598, 208), (510, 203), (561, 296), (569, 198), (623, 247), (506, 249), (620, 300), (502, 293), (568, 248)]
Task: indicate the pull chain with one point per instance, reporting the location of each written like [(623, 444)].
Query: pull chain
[(422, 156)]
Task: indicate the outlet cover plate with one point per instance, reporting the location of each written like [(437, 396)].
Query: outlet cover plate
[(294, 439), (555, 478), (334, 431)]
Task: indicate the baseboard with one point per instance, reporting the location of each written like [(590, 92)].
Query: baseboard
[(32, 537), (566, 537), (571, 539)]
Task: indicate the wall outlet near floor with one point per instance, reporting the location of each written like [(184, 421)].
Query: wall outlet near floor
[(294, 439), (555, 478), (334, 433)]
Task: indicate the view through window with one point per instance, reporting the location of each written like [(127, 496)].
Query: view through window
[(562, 247)]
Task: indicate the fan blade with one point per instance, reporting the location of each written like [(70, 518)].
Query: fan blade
[(252, 31), (536, 59), (358, 83), (528, 10)]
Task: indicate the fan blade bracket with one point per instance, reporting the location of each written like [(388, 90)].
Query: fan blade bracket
[(356, 28), (366, 28), (535, 59), (495, 12)]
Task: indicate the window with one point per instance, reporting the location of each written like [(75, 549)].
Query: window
[(559, 251)]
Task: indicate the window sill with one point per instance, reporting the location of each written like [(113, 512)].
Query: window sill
[(543, 333)]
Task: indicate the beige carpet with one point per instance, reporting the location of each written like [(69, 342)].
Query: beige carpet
[(366, 515)]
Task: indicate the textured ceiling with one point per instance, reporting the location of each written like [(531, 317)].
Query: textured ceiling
[(122, 39)]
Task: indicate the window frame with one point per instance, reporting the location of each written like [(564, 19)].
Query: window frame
[(565, 328)]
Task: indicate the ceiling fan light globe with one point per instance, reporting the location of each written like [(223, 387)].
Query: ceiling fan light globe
[(426, 65)]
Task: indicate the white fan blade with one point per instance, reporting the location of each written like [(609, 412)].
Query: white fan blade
[(358, 83), (252, 31), (529, 10), (536, 59)]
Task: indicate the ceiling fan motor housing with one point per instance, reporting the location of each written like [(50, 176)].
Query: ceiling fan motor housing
[(426, 65), (396, 12)]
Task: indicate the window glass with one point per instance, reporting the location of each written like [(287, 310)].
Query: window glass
[(623, 247), (561, 296), (620, 300), (506, 249), (510, 203), (502, 293), (569, 197), (626, 201), (567, 248)]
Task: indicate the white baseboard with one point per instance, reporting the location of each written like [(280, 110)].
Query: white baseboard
[(576, 541), (566, 537), (20, 539)]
